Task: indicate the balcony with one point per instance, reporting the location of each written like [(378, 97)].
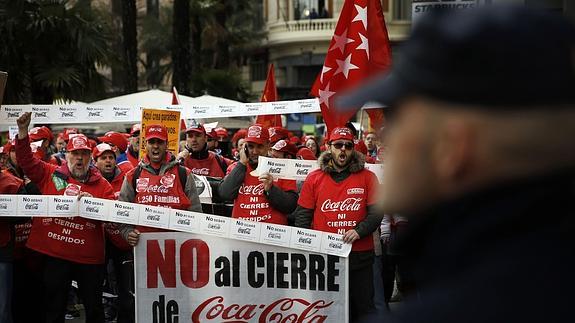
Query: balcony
[(321, 30)]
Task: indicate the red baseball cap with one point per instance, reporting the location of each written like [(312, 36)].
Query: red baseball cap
[(196, 127), (221, 132), (306, 154), (157, 131), (78, 142), (240, 134), (39, 133), (258, 134), (295, 140), (115, 138), (341, 133), (100, 149), (135, 128), (278, 133), (286, 147), (212, 134)]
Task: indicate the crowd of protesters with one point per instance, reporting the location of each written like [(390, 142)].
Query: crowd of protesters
[(98, 256)]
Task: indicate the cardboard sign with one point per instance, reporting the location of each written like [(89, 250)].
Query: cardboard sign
[(170, 119), (192, 278)]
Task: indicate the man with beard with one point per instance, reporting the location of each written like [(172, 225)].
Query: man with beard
[(198, 158), (117, 249), (339, 198), (480, 159), (271, 199), (158, 180), (133, 152), (73, 248)]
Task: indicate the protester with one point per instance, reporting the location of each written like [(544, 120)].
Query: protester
[(158, 180), (480, 159), (237, 143), (311, 143), (198, 158), (133, 152), (119, 144), (118, 251), (371, 142), (72, 247), (277, 134), (44, 136), (270, 199), (305, 154), (351, 194), (283, 149), (9, 184)]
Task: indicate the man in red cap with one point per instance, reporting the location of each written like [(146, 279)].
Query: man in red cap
[(45, 137), (277, 134), (158, 180), (198, 158), (117, 248), (119, 144), (346, 207), (283, 149), (72, 247), (133, 152), (262, 198)]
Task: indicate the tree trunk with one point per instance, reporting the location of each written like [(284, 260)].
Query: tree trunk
[(181, 50), (153, 61), (130, 46)]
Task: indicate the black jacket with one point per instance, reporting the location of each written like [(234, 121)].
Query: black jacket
[(505, 254)]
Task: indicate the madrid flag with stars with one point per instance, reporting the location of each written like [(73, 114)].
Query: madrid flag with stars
[(359, 48)]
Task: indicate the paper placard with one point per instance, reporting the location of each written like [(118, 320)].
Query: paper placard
[(277, 235), (245, 230), (33, 205), (294, 169), (8, 205), (63, 206), (94, 208), (185, 221), (215, 225), (306, 239), (124, 212), (333, 244), (377, 169), (154, 216)]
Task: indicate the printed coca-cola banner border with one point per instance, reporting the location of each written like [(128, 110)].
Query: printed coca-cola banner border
[(198, 279)]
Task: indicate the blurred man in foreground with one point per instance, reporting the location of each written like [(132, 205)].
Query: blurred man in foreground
[(481, 159)]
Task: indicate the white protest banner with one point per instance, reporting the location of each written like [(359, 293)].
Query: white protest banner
[(88, 113), (192, 278), (48, 206), (421, 7), (295, 169), (377, 169)]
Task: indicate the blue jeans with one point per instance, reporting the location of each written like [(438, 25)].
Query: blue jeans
[(5, 292)]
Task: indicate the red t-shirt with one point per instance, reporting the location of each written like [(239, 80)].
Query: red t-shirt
[(112, 232), (251, 203), (339, 207), (208, 166), (74, 239), (160, 190)]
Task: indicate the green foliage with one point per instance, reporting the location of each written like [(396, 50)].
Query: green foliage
[(222, 83), (51, 50)]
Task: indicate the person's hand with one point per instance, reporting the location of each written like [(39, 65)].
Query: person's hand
[(133, 237), (23, 124), (244, 159), (84, 194), (267, 179), (350, 236)]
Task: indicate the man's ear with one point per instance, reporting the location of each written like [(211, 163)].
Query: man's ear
[(453, 149)]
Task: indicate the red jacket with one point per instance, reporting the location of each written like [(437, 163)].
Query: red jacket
[(111, 228), (9, 184), (74, 239)]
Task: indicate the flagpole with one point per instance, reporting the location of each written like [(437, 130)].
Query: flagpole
[(360, 137)]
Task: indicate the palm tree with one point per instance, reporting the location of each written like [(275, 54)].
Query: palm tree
[(51, 50), (129, 33)]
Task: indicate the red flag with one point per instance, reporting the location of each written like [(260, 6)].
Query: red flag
[(176, 101), (270, 94), (359, 48)]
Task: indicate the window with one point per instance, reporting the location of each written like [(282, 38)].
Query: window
[(258, 68), (402, 9), (311, 9)]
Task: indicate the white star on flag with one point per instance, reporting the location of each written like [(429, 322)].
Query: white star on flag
[(364, 44), (324, 95), (341, 41), (361, 15), (324, 70), (344, 66)]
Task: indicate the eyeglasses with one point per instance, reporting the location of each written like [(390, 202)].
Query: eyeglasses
[(339, 145)]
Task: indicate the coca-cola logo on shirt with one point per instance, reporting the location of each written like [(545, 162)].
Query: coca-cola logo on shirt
[(349, 204), (355, 191), (142, 184), (201, 171), (252, 189), (72, 190), (168, 180)]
